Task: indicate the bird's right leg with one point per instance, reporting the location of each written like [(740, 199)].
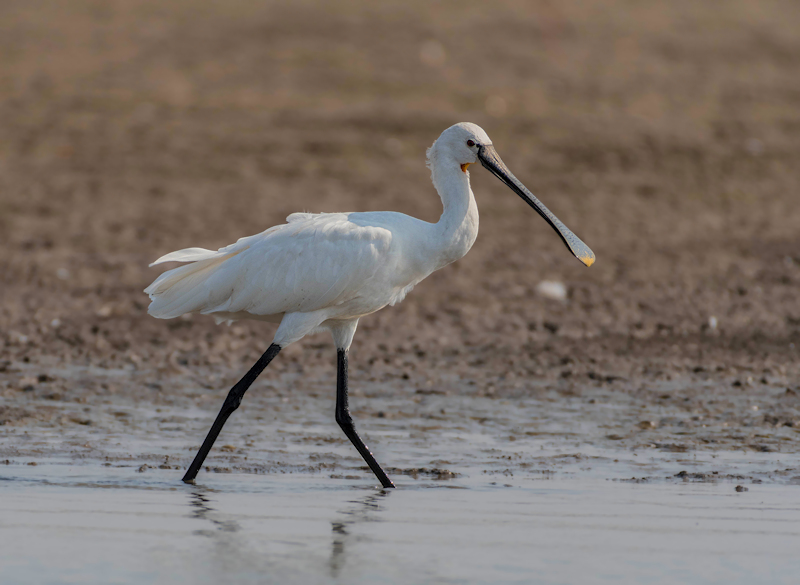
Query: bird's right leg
[(345, 421), (231, 403)]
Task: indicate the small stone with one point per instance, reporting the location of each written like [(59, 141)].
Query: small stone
[(17, 338), (551, 289)]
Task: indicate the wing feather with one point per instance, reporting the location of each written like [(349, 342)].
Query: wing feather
[(312, 262)]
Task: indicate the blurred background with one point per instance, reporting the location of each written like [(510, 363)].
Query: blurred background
[(666, 135)]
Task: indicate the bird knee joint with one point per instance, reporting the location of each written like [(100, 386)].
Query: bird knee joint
[(343, 419), (232, 402)]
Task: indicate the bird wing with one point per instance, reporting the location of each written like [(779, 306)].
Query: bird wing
[(309, 263)]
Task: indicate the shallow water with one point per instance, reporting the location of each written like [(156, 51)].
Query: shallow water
[(72, 523), (533, 489)]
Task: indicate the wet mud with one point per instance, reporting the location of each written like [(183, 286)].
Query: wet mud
[(129, 132)]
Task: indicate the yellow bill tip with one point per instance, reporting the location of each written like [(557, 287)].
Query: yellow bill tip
[(587, 259), (581, 251)]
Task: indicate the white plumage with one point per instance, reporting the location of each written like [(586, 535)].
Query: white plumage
[(327, 271), (337, 266)]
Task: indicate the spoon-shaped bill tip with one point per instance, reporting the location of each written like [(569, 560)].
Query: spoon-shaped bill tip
[(585, 255), (580, 250), (493, 163)]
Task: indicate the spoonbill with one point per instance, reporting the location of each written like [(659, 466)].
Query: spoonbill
[(325, 271)]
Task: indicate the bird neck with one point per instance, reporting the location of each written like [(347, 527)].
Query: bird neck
[(457, 227)]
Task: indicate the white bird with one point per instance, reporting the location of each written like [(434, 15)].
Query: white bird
[(326, 271)]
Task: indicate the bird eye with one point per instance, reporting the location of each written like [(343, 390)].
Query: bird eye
[(470, 143)]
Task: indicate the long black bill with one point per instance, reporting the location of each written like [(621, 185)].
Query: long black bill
[(491, 160)]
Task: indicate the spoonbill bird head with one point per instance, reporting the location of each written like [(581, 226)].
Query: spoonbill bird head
[(467, 144), (460, 143)]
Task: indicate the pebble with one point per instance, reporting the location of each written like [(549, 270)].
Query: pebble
[(551, 289)]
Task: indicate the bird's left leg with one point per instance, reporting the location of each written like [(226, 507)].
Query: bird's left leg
[(342, 339), (232, 402), (292, 328)]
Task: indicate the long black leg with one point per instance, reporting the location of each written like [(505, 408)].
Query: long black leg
[(346, 421), (231, 403)]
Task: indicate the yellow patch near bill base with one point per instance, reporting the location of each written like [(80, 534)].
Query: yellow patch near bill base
[(464, 167)]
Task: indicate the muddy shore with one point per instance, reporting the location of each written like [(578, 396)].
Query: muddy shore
[(665, 137)]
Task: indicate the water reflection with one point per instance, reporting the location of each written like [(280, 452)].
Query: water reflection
[(229, 553), (203, 511), (365, 509), (288, 538)]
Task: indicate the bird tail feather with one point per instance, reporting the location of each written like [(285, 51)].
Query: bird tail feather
[(182, 290), (187, 255)]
